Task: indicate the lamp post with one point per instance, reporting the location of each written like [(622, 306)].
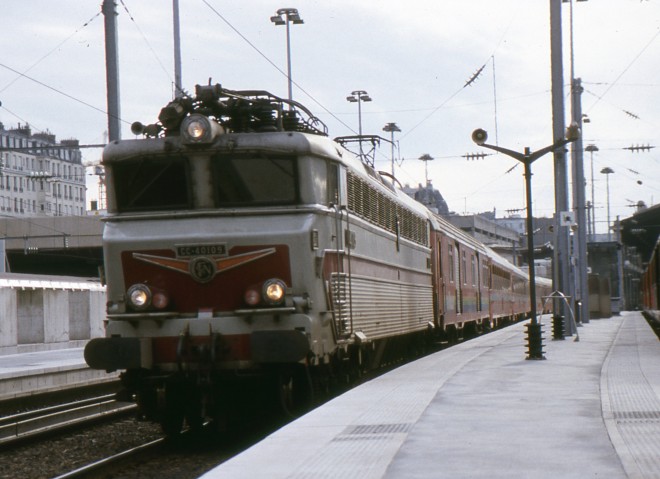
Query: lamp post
[(290, 16), (358, 96), (426, 158), (591, 149), (391, 128), (534, 338), (608, 171)]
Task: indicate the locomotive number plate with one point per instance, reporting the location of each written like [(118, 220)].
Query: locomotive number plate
[(201, 250)]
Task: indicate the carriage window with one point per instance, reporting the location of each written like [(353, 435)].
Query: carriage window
[(258, 180), (149, 184), (333, 184), (450, 251)]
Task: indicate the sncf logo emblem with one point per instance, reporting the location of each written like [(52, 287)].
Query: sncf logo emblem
[(203, 268)]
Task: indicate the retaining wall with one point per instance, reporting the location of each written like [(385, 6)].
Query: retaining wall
[(48, 312)]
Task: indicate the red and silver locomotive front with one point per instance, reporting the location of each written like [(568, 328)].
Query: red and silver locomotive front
[(207, 245)]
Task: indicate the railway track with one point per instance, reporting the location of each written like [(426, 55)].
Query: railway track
[(48, 420), (115, 461), (185, 456)]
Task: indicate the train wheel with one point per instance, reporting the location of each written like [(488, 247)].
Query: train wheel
[(487, 325), (173, 410), (172, 421), (194, 412), (295, 391), (470, 330), (452, 334)]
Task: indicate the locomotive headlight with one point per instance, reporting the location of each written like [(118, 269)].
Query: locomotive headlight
[(196, 129), (273, 291), (199, 129), (139, 297), (252, 297), (160, 300)]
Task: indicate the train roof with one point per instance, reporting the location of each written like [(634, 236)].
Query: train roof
[(441, 224), (278, 125)]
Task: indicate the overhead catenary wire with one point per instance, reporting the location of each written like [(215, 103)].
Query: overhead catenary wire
[(146, 41), (50, 52), (263, 55), (625, 70), (60, 92)]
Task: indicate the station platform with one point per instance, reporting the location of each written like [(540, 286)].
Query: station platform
[(479, 409), (36, 372)]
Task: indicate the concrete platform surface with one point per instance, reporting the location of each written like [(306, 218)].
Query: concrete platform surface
[(46, 371), (480, 410), (23, 364)]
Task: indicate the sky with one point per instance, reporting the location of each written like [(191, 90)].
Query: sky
[(437, 68)]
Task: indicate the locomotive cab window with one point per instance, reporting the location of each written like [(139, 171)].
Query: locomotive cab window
[(149, 184), (254, 180)]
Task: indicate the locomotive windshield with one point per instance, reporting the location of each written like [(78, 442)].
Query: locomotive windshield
[(148, 184), (163, 183), (254, 180)]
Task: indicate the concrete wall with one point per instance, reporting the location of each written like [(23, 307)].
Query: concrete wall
[(38, 313), (8, 318), (30, 315)]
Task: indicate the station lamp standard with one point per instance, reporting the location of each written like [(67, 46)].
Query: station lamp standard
[(608, 171), (426, 158), (591, 149), (358, 96), (391, 128), (479, 136), (290, 16)]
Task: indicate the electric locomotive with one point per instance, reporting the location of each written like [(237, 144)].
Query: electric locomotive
[(244, 247)]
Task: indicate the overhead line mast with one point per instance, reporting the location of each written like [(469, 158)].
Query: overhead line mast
[(109, 9)]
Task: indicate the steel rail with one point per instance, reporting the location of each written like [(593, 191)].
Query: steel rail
[(47, 420), (112, 461)]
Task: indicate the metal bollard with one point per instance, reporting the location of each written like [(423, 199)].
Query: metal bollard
[(558, 331), (534, 340)]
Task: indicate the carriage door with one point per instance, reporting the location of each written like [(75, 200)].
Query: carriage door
[(439, 291), (476, 278), (459, 278)]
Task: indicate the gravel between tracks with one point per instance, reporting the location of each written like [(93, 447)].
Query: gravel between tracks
[(185, 459), (52, 457)]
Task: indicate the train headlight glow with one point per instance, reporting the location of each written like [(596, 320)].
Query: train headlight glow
[(160, 300), (199, 129), (196, 130), (252, 297), (139, 297), (273, 291)]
